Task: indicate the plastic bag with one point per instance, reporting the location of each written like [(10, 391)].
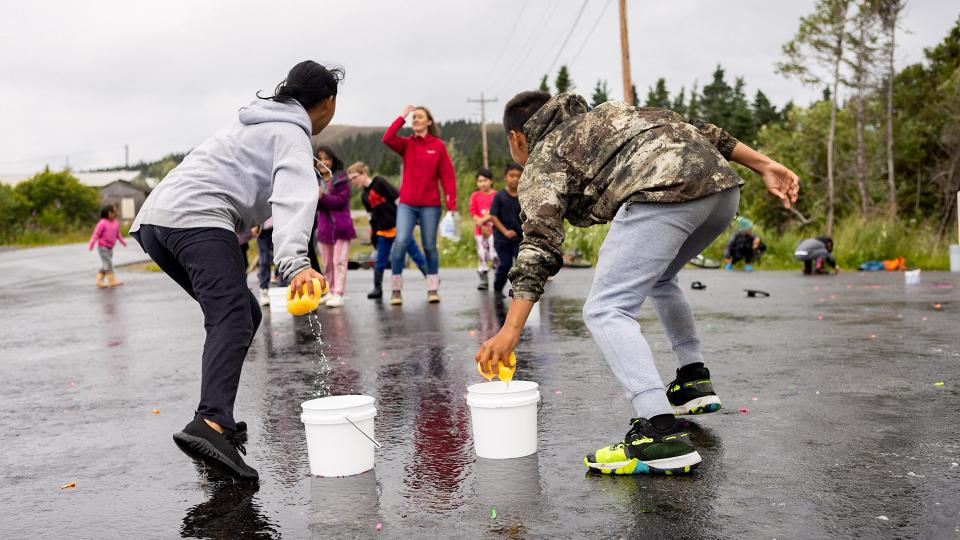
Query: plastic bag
[(450, 226)]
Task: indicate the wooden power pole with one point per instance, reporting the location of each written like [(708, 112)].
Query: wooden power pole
[(625, 54), (483, 124)]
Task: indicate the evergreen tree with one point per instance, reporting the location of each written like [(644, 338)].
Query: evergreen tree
[(693, 109), (741, 121), (636, 99), (717, 104), (659, 96), (679, 104), (544, 87), (564, 83), (764, 112), (600, 93)]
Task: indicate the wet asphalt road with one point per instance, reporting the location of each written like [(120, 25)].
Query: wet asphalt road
[(844, 421)]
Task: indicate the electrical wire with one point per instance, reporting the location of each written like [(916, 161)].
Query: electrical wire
[(573, 27), (507, 41), (590, 33)]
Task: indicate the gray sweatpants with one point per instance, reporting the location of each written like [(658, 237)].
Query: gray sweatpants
[(647, 245), (106, 258)]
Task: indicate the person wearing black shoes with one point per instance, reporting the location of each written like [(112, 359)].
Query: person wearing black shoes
[(257, 167), (379, 197)]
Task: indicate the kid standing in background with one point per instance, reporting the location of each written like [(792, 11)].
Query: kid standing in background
[(505, 216), (334, 224), (379, 197), (105, 235), (480, 201), (667, 187)]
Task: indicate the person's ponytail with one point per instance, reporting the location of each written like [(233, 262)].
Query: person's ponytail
[(308, 83)]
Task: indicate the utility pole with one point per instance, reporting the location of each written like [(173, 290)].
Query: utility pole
[(483, 124), (126, 156), (625, 55)]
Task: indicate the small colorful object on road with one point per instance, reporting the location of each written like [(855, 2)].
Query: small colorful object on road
[(504, 372), (71, 485), (939, 383), (304, 303)]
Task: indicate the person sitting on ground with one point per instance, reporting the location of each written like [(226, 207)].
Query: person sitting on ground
[(667, 188), (379, 197), (258, 166), (816, 253), (480, 202), (507, 234), (106, 235), (743, 246)]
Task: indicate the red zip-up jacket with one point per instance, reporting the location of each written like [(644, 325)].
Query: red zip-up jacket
[(425, 160)]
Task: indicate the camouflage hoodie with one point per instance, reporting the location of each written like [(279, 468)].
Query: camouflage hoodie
[(584, 166)]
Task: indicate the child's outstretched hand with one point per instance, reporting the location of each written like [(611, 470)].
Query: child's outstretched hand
[(496, 350), (306, 277), (781, 182)]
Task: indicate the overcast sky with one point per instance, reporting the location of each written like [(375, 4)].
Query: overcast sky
[(81, 79)]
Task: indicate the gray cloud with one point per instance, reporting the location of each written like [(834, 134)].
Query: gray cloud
[(84, 78)]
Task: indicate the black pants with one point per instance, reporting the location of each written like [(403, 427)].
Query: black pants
[(506, 252), (208, 264)]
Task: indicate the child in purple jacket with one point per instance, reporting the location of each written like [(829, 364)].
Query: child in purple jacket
[(105, 236), (334, 224)]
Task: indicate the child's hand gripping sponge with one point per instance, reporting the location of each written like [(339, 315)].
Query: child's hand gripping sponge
[(504, 372), (303, 303)]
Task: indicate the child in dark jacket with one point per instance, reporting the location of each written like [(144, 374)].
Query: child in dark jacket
[(334, 224), (744, 246), (379, 197), (666, 187), (507, 234)]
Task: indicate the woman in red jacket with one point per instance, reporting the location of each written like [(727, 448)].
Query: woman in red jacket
[(426, 165)]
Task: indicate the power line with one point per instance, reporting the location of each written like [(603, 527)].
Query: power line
[(506, 42), (590, 33), (515, 68), (576, 21)]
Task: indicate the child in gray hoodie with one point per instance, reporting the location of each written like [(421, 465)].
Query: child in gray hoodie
[(259, 166)]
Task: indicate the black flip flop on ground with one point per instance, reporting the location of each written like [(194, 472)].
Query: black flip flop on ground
[(697, 286), (755, 293)]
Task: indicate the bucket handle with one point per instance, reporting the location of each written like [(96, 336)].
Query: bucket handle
[(375, 443)]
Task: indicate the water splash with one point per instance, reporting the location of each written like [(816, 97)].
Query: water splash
[(321, 383)]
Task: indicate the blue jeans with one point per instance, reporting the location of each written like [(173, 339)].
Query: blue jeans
[(407, 218), (507, 253), (384, 245)]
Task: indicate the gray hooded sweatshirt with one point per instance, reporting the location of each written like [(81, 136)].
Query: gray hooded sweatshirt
[(259, 166)]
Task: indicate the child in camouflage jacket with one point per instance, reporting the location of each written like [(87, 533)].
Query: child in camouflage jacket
[(665, 185)]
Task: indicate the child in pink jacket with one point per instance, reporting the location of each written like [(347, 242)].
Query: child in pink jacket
[(105, 236)]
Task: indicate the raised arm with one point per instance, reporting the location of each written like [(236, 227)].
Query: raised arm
[(390, 138)]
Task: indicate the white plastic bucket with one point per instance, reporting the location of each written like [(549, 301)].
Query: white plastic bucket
[(278, 300), (335, 446), (911, 277), (504, 418)]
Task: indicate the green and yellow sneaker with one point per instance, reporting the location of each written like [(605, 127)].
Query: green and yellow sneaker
[(692, 392), (645, 450)]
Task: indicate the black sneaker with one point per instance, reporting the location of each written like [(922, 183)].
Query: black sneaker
[(217, 450), (692, 392), (645, 450)]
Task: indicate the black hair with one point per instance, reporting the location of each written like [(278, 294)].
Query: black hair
[(512, 167), (337, 162), (521, 108), (485, 172), (308, 83), (106, 209), (827, 241)]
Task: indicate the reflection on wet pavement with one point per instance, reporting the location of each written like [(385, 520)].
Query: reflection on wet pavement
[(842, 427)]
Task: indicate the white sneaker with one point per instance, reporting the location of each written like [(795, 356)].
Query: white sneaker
[(335, 301), (264, 297), (325, 298)]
